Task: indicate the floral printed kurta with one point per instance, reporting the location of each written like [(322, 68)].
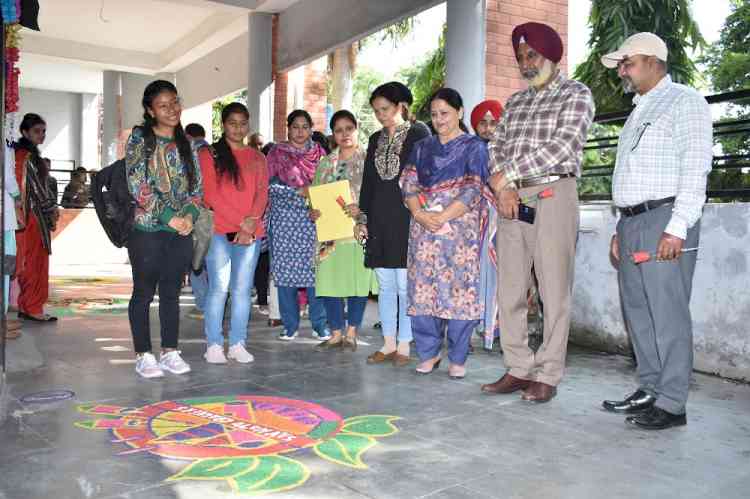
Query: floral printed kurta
[(443, 269)]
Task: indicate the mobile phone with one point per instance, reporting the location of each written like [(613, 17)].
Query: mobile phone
[(526, 213), (231, 236)]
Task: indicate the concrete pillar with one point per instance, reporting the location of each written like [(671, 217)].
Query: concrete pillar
[(465, 50), (122, 94), (111, 116), (90, 131), (260, 95)]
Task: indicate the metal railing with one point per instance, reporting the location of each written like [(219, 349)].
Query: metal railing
[(64, 177), (596, 179)]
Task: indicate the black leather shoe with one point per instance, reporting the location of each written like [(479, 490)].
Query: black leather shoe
[(638, 402), (657, 419)]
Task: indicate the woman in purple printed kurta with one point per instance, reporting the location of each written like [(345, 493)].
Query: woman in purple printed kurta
[(445, 186)]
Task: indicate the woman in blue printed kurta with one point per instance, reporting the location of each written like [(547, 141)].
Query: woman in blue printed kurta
[(445, 188)]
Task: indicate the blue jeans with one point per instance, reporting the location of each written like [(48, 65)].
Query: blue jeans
[(231, 267), (355, 310), (199, 284), (392, 303), (289, 309)]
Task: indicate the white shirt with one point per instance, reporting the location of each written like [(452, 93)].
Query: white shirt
[(665, 150)]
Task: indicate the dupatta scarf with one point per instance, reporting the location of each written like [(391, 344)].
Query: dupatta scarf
[(294, 167)]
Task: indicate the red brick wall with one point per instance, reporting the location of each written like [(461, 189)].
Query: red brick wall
[(280, 87), (502, 78), (316, 81)]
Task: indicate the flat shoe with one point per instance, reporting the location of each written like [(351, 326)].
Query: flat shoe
[(433, 369), (380, 357), (350, 343), (44, 318), (456, 371), (327, 345)]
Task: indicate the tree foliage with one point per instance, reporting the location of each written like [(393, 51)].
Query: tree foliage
[(425, 77), (728, 66), (218, 105), (365, 81), (612, 21), (728, 61)]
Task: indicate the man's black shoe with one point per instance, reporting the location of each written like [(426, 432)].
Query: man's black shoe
[(638, 402), (657, 419)]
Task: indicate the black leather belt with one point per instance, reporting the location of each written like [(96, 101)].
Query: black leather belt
[(631, 211), (544, 179)]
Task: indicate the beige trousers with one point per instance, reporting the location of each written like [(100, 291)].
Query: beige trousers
[(549, 245)]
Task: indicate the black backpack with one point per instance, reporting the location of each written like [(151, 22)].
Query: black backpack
[(114, 204)]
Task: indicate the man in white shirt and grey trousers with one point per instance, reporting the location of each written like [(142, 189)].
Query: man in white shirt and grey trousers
[(659, 187)]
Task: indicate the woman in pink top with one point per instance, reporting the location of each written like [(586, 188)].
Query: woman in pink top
[(235, 186)]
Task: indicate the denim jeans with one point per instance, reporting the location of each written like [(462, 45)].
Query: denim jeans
[(157, 258), (231, 268), (355, 311), (289, 309), (199, 285), (392, 303)]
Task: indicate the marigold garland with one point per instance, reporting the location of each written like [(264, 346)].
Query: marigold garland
[(12, 73)]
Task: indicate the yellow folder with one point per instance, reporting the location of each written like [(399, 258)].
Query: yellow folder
[(333, 223)]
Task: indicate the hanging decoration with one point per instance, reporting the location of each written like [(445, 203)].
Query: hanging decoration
[(11, 14), (11, 11), (12, 73)]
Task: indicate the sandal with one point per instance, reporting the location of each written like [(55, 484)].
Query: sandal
[(43, 318)]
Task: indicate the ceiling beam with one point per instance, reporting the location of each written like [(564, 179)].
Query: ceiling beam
[(214, 32), (124, 60), (245, 4), (305, 27)]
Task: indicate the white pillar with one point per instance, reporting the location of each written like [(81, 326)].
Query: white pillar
[(90, 131), (260, 74), (111, 118), (465, 50)]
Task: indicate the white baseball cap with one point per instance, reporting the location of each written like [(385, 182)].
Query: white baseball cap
[(639, 44)]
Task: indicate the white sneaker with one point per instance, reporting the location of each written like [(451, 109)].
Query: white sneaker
[(287, 337), (172, 362), (237, 352), (147, 367), (215, 355), (325, 335)]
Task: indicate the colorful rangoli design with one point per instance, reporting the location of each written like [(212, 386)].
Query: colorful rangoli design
[(246, 440)]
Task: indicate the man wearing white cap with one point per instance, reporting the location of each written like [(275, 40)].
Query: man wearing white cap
[(659, 186)]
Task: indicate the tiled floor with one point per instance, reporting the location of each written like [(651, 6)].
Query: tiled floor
[(452, 441)]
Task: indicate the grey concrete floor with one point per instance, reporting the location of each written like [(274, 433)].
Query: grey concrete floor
[(453, 442)]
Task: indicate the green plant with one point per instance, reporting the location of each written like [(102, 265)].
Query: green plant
[(612, 21), (425, 77)]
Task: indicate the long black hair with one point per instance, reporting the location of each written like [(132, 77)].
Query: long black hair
[(224, 161), (454, 100), (149, 122)]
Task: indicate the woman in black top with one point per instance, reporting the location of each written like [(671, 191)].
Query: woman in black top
[(386, 221)]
